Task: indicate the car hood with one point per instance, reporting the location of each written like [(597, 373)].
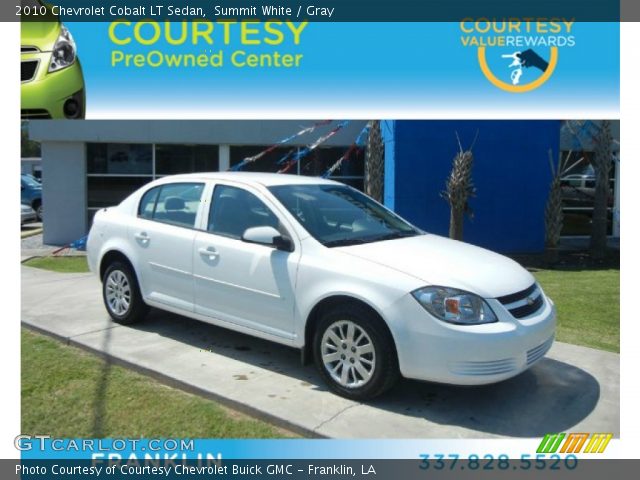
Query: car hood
[(42, 35), (436, 260)]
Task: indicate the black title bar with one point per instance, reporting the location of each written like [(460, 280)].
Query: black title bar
[(321, 10)]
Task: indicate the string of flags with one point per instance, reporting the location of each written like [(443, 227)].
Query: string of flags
[(290, 160), (295, 155), (284, 141), (354, 146)]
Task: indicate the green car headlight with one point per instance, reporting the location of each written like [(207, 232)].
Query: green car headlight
[(455, 306), (64, 51)]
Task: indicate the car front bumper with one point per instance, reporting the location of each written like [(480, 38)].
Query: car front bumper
[(433, 350), (27, 217), (46, 94)]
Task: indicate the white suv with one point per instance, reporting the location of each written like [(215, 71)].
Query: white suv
[(319, 266)]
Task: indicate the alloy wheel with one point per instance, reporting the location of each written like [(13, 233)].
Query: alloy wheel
[(348, 354), (118, 293)]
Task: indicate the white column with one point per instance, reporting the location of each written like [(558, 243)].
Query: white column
[(224, 157)]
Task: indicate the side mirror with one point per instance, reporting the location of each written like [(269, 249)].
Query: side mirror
[(268, 236)]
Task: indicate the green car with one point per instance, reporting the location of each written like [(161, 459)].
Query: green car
[(52, 80)]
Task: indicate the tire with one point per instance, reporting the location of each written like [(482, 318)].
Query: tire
[(37, 206), (121, 294), (369, 350)]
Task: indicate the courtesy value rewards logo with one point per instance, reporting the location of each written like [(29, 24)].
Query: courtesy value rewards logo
[(574, 442), (517, 55)]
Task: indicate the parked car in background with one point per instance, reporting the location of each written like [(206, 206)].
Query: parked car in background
[(52, 83), (317, 265), (27, 214), (31, 193)]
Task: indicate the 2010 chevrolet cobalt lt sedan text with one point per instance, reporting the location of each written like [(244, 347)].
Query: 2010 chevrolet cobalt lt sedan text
[(317, 265)]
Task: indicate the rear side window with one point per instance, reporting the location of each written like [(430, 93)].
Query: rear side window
[(175, 203), (148, 203), (233, 210)]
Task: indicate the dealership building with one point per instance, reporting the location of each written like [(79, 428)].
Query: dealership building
[(88, 165)]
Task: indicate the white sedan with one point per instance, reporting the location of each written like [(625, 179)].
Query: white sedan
[(319, 266)]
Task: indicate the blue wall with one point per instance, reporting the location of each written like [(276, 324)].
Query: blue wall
[(511, 173)]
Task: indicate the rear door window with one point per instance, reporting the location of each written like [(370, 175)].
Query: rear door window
[(174, 203)]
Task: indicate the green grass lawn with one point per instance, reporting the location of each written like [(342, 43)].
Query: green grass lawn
[(62, 264), (588, 303), (67, 392)]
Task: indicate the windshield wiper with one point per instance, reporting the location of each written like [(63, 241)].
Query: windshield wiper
[(393, 236), (343, 242)]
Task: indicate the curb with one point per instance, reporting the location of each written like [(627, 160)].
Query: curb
[(30, 233), (186, 387)]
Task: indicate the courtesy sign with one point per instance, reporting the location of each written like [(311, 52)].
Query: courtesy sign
[(209, 37), (517, 55)]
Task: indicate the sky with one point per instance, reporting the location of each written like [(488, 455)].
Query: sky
[(408, 70)]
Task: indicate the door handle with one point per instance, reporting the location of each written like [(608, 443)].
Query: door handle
[(209, 252), (142, 236)]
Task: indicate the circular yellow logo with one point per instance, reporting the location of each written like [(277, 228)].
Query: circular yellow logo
[(482, 60)]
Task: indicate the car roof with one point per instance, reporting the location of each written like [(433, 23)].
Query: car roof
[(265, 179)]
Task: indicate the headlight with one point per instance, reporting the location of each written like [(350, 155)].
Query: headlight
[(455, 306), (64, 51)]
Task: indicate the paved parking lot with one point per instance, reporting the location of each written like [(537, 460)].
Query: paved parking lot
[(31, 244), (574, 388)]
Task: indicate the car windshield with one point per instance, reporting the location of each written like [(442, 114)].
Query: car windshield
[(29, 181), (337, 215)]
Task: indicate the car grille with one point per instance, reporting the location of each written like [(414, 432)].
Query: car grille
[(538, 352), (35, 113), (28, 49), (524, 303), (28, 70), (493, 367)]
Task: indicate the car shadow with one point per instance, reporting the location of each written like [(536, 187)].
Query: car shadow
[(552, 396)]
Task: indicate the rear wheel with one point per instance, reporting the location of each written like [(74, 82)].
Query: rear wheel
[(121, 294), (37, 206), (355, 353)]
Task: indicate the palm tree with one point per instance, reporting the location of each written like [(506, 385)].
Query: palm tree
[(603, 142), (374, 163), (459, 189)]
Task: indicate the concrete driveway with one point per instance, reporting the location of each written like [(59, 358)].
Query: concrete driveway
[(572, 389)]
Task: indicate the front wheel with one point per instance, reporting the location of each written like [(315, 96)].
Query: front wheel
[(355, 353), (121, 294)]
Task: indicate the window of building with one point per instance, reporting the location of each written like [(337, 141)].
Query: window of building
[(173, 159), (115, 170), (267, 163), (578, 193), (119, 159), (108, 191), (316, 163)]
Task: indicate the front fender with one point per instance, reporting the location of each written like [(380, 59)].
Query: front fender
[(373, 285)]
